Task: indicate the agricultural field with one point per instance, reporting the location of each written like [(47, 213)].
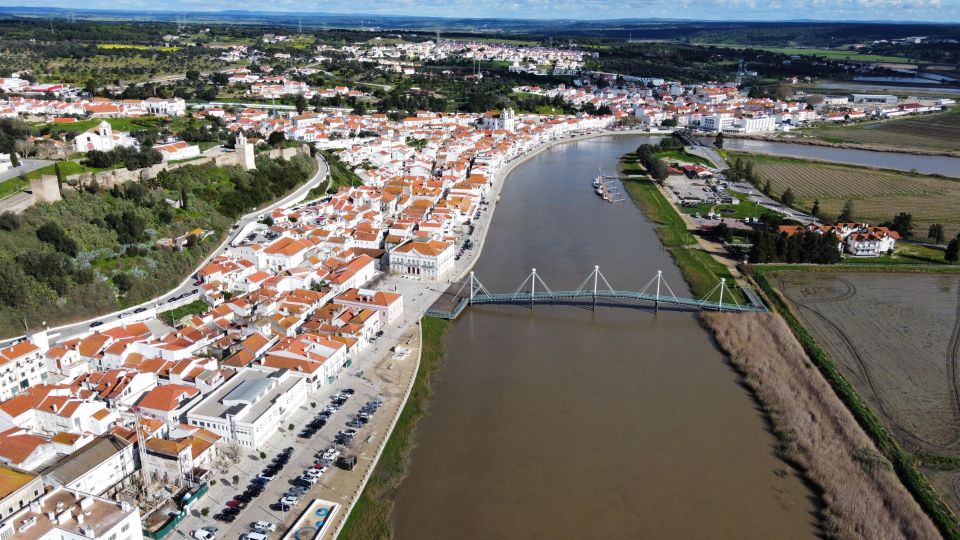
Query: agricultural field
[(830, 54), (939, 131), (137, 47), (877, 194), (896, 339)]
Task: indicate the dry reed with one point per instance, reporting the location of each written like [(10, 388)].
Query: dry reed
[(862, 495)]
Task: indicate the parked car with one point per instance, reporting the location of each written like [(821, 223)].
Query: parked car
[(95, 324), (313, 473), (264, 526), (201, 534), (253, 536), (289, 501), (243, 497), (266, 477), (347, 463)]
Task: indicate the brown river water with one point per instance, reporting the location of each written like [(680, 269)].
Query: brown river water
[(562, 422)]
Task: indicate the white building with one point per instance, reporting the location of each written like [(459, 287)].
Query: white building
[(177, 150), (250, 407), (102, 138), (21, 366), (423, 257), (505, 120), (64, 514), (165, 107)]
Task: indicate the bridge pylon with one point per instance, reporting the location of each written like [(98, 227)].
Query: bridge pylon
[(721, 287), (596, 275), (532, 278)]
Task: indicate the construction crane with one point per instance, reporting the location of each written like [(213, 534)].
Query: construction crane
[(741, 68)]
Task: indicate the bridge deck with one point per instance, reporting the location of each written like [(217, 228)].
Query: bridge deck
[(457, 304)]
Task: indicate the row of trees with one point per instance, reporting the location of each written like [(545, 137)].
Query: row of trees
[(131, 158), (806, 247)]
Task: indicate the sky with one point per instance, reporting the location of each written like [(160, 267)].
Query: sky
[(753, 10)]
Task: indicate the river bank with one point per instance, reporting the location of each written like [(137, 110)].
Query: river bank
[(370, 516), (830, 454), (862, 494)]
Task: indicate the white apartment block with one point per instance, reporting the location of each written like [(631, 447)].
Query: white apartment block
[(63, 514), (250, 407), (21, 366)]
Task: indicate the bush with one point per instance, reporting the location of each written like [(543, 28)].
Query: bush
[(263, 455), (204, 511), (9, 221), (291, 427), (123, 282), (53, 234)]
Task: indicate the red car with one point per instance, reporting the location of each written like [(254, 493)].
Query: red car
[(233, 503)]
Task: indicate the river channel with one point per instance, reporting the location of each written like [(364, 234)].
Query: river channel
[(942, 165), (561, 422)]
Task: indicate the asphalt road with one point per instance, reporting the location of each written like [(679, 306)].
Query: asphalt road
[(186, 286), (26, 165)]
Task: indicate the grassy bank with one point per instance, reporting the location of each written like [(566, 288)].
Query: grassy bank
[(904, 463), (371, 516), (700, 270)]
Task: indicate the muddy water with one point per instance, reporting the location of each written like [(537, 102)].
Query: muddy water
[(566, 423)]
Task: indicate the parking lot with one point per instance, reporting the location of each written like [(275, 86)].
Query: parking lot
[(385, 378)]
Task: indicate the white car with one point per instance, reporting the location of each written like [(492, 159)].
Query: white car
[(264, 526), (289, 501), (316, 473), (201, 534), (331, 454)]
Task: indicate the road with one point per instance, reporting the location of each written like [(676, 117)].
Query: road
[(26, 165), (186, 286)]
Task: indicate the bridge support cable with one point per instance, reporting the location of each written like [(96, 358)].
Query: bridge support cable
[(595, 276), (476, 287), (660, 284), (721, 287), (532, 278)]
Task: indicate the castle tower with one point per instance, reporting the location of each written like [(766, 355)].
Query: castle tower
[(245, 152)]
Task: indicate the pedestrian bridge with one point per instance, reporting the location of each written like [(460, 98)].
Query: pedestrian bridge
[(534, 291)]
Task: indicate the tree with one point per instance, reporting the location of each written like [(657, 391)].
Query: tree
[(193, 75), (220, 79), (14, 160), (903, 224), (51, 233), (300, 103), (766, 188), (788, 198), (952, 253), (723, 232), (719, 140), (815, 211), (123, 282), (13, 286), (847, 213), (658, 170), (935, 233), (184, 199), (90, 87), (56, 169), (276, 138)]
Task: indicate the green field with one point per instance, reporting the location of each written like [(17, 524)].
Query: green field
[(118, 124), (831, 54)]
